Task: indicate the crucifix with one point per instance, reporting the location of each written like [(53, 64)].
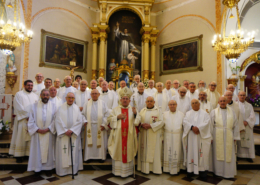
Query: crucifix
[(64, 149)]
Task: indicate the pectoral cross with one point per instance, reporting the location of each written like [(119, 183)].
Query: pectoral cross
[(72, 146), (124, 133), (175, 154), (124, 152), (64, 149)]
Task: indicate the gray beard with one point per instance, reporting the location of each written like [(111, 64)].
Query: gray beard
[(202, 89)]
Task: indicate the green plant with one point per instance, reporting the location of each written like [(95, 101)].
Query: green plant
[(4, 126)]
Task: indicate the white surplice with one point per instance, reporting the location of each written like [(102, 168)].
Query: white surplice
[(183, 104), (196, 146), (35, 160), (57, 89), (57, 101), (150, 140), (246, 145), (222, 167), (192, 96), (206, 105), (235, 98), (20, 143), (176, 90), (173, 148), (170, 92), (161, 101), (68, 118), (37, 88), (64, 91), (82, 97), (110, 99), (212, 97), (115, 142), (150, 91), (235, 107), (94, 152), (138, 101)]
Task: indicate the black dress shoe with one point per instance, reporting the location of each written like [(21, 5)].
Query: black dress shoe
[(37, 174), (48, 173), (19, 159), (238, 158), (250, 160)]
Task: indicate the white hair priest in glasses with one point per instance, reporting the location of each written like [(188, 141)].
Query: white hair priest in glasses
[(182, 100), (150, 122), (212, 94), (95, 136), (41, 130), (122, 143), (68, 124)]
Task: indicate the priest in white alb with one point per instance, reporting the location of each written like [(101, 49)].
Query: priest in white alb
[(161, 98), (173, 148), (122, 85), (95, 112), (42, 132), (23, 101), (168, 90), (111, 87), (192, 94), (54, 98), (204, 104), (230, 87), (66, 89), (100, 81), (150, 90), (225, 133), (138, 98), (246, 145), (57, 84), (68, 124), (108, 96), (38, 85), (182, 100), (134, 85), (212, 94), (150, 123), (93, 85), (122, 143), (176, 85), (82, 96), (196, 140)]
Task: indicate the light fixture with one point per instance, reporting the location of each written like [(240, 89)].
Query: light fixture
[(235, 44), (13, 34)]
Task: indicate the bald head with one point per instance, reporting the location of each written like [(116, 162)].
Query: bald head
[(67, 81), (93, 84), (176, 84), (104, 86), (229, 96), (159, 86), (53, 91), (231, 88), (57, 83), (149, 102), (168, 84), (195, 104), (94, 94), (122, 84), (242, 96), (222, 101), (39, 78), (70, 98), (140, 87), (83, 85), (172, 105), (151, 83)]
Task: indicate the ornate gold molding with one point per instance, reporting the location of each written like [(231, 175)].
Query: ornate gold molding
[(152, 75), (255, 57), (94, 74), (232, 81), (145, 74), (102, 73)]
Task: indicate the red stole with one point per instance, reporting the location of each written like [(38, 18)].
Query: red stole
[(124, 131)]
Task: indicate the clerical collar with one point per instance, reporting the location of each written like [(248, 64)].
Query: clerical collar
[(105, 91), (140, 93), (67, 87), (231, 102), (150, 108)]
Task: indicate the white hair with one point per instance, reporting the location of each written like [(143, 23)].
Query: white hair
[(84, 81), (159, 83), (137, 76)]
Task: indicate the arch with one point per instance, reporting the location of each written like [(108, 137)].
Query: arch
[(252, 59), (39, 13), (132, 9), (189, 15)]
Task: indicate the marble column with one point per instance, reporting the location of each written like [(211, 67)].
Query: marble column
[(94, 58), (146, 39), (153, 65), (102, 53)]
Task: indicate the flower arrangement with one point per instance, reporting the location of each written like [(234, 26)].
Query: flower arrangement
[(255, 101), (4, 126)]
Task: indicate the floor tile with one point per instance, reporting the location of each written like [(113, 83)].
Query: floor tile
[(121, 181), (12, 182), (242, 180), (225, 182)]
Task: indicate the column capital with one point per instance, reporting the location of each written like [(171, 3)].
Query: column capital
[(94, 74), (146, 38), (95, 38)]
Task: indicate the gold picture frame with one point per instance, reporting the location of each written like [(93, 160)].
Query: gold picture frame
[(181, 56), (59, 51)]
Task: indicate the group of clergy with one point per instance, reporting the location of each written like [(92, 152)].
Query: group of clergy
[(169, 129)]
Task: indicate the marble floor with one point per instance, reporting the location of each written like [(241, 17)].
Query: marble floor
[(101, 177)]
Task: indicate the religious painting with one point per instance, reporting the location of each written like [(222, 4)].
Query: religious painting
[(181, 56), (58, 51), (6, 107), (124, 42)]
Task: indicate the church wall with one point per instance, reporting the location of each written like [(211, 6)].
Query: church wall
[(186, 27), (63, 22)]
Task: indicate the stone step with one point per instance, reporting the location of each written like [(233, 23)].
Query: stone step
[(5, 142), (4, 150)]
